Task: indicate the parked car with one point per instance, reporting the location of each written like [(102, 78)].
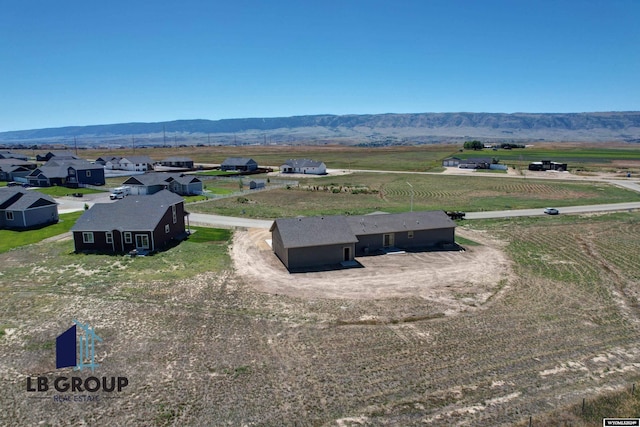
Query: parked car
[(551, 211), (120, 193)]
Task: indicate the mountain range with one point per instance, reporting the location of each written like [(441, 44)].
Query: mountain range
[(366, 129)]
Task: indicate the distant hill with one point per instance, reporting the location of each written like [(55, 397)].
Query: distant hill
[(370, 129)]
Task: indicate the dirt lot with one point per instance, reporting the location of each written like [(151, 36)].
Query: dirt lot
[(456, 280)]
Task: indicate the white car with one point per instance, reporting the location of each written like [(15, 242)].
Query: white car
[(551, 211)]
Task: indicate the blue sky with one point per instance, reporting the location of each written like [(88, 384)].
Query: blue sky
[(74, 62)]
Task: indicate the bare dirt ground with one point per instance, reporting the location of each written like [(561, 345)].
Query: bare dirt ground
[(457, 280)]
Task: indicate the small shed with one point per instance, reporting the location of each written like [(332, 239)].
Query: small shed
[(257, 184)]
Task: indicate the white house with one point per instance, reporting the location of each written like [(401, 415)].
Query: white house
[(135, 163), (305, 166)]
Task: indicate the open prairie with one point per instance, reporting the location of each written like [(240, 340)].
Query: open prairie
[(203, 344)]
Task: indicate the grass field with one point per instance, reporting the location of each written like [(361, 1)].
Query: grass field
[(365, 193), (200, 347)]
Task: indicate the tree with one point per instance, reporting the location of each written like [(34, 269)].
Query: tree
[(473, 145)]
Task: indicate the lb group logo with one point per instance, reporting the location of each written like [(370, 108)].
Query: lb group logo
[(67, 348), (76, 347)]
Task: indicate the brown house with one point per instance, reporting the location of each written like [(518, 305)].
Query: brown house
[(145, 223), (312, 242)]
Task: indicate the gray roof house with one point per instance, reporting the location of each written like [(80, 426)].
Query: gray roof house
[(10, 155), (308, 243), (11, 168), (23, 209), (177, 162), (135, 163), (305, 166), (239, 164), (311, 242), (58, 154), (67, 172), (144, 223), (150, 183)]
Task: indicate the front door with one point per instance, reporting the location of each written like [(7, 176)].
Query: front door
[(142, 241), (387, 240), (347, 254)]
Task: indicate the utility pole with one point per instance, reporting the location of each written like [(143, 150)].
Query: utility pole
[(411, 195), (75, 143), (133, 144), (164, 136)]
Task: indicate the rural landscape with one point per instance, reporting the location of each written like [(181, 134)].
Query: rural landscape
[(533, 320)]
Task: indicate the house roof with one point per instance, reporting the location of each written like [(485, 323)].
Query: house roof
[(479, 160), (62, 154), (59, 168), (237, 161), (160, 178), (338, 229), (177, 159), (12, 161), (394, 223), (314, 231), (303, 163), (9, 155), (138, 159), (21, 199), (134, 213)]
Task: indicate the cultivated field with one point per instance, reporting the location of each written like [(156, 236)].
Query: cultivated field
[(362, 193), (203, 344)]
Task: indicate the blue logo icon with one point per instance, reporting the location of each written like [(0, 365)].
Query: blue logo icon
[(77, 353)]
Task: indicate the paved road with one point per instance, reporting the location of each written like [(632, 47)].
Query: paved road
[(220, 221), (611, 207)]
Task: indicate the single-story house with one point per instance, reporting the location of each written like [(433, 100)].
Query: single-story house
[(177, 162), (305, 166), (108, 161), (239, 164), (59, 155), (546, 165), (11, 168), (133, 163), (145, 223), (311, 242), (69, 173), (451, 161), (22, 209), (151, 183), (476, 163), (10, 155)]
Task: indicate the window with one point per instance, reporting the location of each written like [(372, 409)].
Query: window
[(87, 237), (127, 237), (173, 211), (166, 228), (109, 237), (410, 234), (8, 215), (88, 173)]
